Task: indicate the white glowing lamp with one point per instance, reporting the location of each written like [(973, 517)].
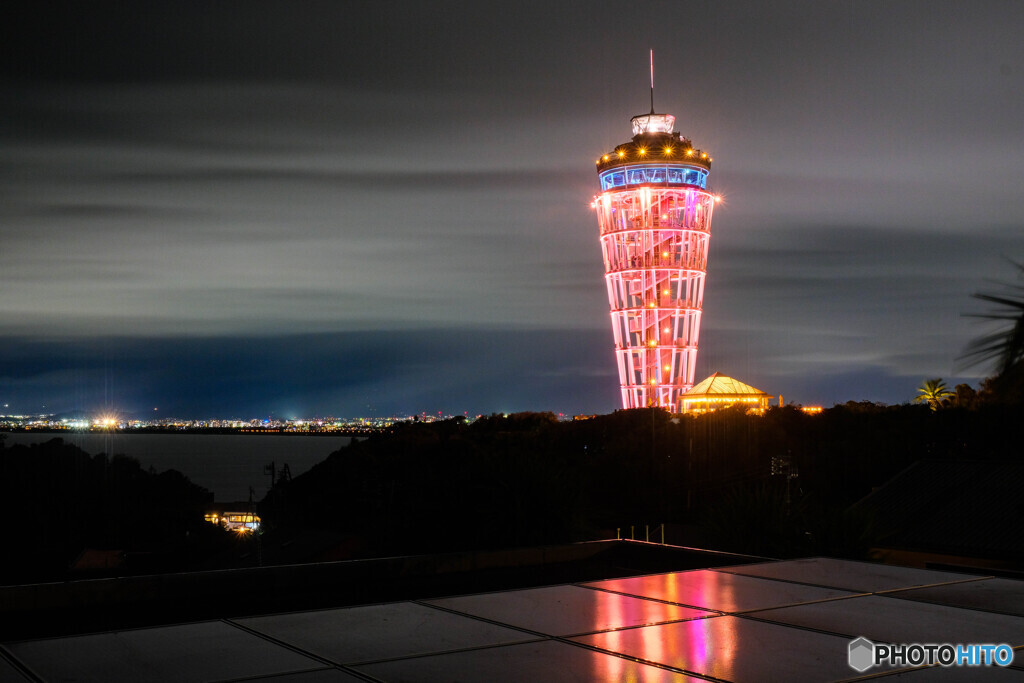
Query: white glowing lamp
[(653, 123)]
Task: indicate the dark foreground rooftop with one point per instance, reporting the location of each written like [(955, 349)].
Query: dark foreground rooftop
[(781, 621)]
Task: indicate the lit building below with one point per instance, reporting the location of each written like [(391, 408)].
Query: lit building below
[(719, 391), (242, 522)]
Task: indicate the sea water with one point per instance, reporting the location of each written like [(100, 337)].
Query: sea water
[(227, 464)]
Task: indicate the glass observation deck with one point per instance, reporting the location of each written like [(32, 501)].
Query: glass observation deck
[(649, 174)]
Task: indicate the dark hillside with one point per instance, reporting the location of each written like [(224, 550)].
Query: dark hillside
[(56, 500), (776, 485)]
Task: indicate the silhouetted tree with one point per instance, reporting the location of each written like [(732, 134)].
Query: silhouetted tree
[(965, 396), (56, 500)]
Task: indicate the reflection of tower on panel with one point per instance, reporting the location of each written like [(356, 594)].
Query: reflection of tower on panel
[(654, 213)]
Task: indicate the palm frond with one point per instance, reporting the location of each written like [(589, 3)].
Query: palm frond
[(1005, 347)]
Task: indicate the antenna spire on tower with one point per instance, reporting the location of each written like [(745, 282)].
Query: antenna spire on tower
[(655, 270), (652, 80)]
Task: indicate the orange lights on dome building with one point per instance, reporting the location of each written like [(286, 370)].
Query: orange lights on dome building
[(719, 391)]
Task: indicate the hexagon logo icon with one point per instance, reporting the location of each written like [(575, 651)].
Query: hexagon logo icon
[(862, 654)]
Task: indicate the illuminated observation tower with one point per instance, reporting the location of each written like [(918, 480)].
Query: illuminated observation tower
[(654, 213)]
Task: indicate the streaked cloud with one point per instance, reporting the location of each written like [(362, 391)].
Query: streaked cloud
[(338, 170)]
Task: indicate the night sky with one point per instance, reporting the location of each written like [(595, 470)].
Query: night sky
[(337, 208)]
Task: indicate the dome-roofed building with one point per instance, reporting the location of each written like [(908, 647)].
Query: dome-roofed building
[(719, 391)]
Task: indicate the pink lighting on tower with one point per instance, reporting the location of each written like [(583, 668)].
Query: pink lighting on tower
[(654, 213)]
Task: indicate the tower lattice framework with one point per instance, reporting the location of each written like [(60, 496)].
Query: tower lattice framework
[(654, 213)]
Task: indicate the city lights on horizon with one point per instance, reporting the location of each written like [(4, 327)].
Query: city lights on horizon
[(108, 422)]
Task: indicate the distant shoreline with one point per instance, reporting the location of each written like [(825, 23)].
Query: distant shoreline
[(240, 431)]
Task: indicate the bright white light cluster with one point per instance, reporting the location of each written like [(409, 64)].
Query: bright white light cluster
[(653, 123)]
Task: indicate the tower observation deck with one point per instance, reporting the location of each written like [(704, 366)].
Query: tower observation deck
[(654, 213)]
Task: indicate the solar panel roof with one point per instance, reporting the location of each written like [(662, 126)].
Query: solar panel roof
[(787, 621)]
